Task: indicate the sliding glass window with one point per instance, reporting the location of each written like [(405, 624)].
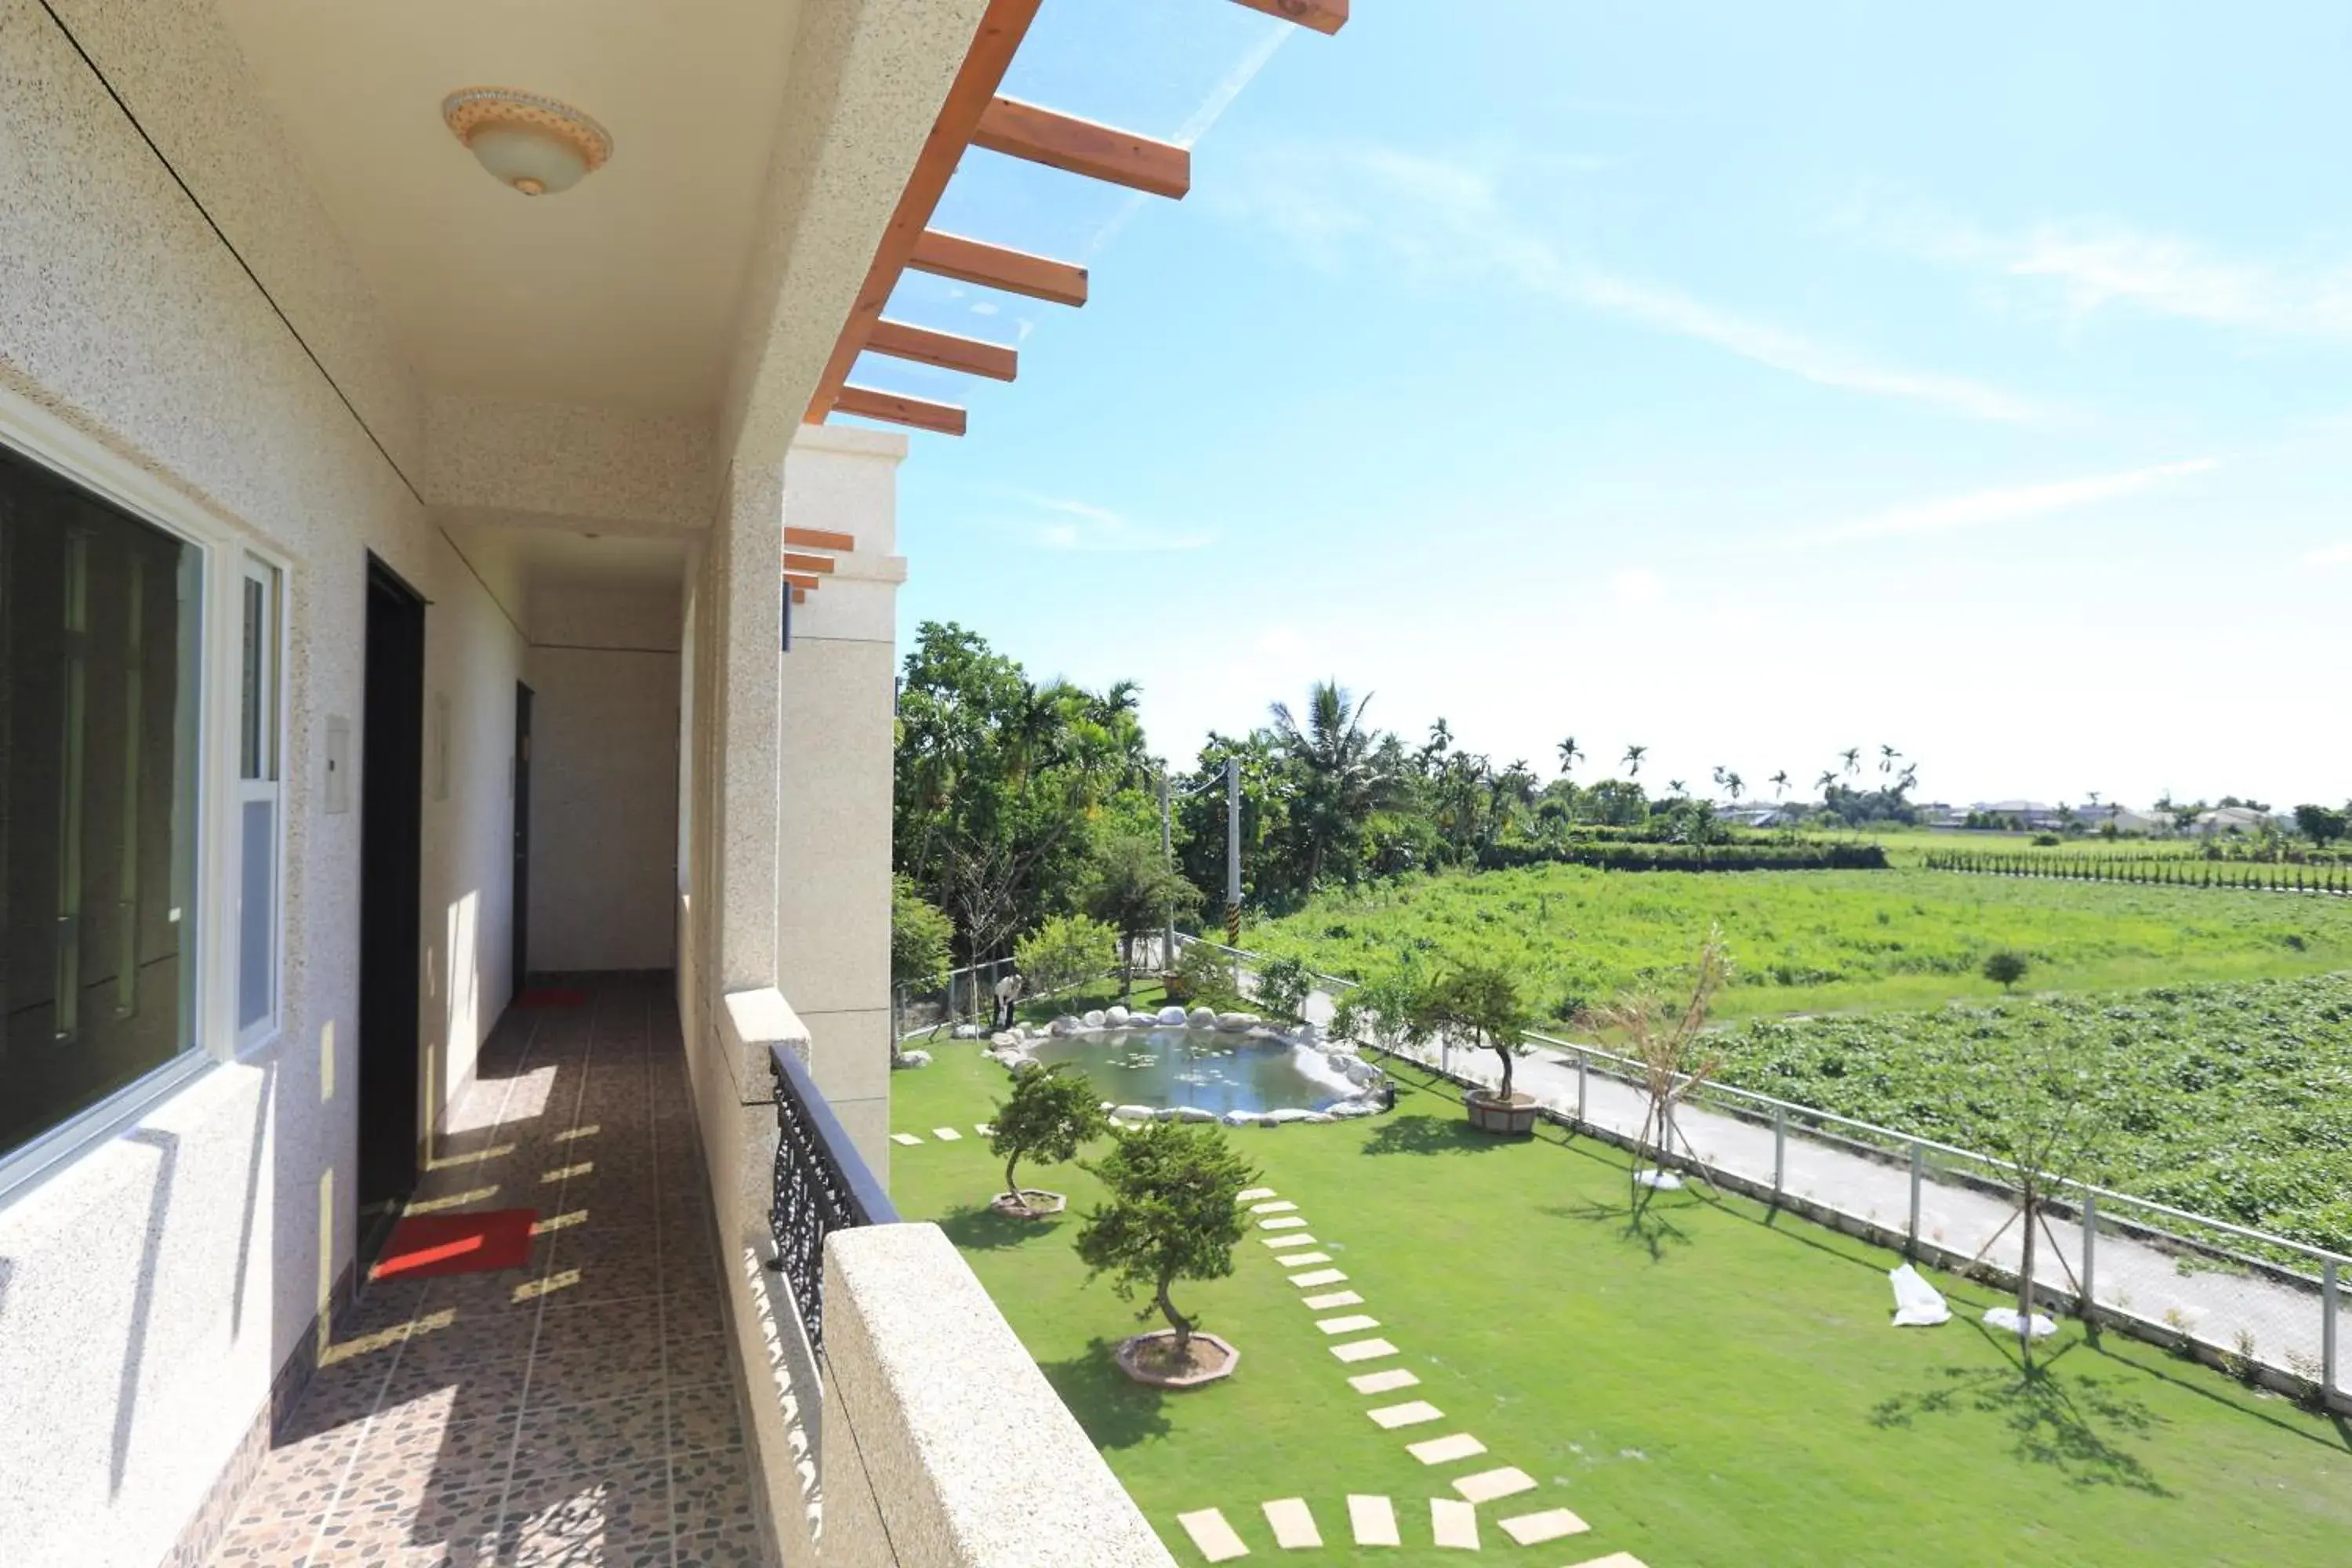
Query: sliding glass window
[(99, 688)]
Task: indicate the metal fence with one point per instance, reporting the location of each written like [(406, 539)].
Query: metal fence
[(821, 1185), (2263, 1307)]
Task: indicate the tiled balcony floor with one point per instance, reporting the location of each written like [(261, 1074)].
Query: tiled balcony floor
[(575, 1411)]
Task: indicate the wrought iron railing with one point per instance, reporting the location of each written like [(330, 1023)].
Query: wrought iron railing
[(822, 1186)]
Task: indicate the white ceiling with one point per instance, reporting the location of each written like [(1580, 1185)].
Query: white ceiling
[(515, 563), (620, 291)]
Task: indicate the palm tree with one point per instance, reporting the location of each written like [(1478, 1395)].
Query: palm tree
[(1736, 785), (1852, 755), (1633, 755), (1568, 751), (1340, 785), (1779, 782), (1674, 788), (1886, 755), (1826, 782)]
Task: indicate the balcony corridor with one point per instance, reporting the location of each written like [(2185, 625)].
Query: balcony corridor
[(575, 1411)]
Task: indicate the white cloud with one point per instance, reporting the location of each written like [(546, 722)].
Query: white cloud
[(2094, 263), (2012, 503), (1081, 526), (1637, 585), (2330, 555), (1447, 220)]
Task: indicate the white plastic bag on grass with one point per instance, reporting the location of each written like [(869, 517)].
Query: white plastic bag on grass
[(1917, 1304), (2005, 1320)]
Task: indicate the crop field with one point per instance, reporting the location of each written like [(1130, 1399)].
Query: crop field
[(2230, 1100), (1815, 941)]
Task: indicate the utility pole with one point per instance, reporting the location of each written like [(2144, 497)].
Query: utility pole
[(1168, 856), (1232, 851)]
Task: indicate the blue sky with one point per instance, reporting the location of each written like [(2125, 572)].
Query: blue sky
[(1742, 381)]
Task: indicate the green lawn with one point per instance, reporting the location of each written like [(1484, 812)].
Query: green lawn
[(1815, 941), (1711, 1388)]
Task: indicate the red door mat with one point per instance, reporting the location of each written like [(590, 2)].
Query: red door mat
[(428, 1244), (550, 996)]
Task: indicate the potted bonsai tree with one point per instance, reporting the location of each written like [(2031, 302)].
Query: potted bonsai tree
[(1174, 1213), (1482, 1000), (1049, 1114)]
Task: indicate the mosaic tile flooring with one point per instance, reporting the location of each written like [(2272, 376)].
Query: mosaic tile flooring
[(575, 1411)]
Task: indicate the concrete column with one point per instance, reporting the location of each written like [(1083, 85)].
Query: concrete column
[(744, 567), (833, 852)]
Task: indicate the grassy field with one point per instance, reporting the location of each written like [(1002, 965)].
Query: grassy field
[(1708, 1388), (1815, 941)]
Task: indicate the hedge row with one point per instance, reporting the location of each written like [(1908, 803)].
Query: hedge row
[(1689, 856)]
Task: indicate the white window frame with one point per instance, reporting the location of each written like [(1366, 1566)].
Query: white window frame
[(223, 547), (259, 570)]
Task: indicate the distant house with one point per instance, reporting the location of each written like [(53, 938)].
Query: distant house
[(2032, 815), (2232, 819)]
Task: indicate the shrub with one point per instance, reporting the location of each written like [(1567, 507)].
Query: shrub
[(920, 933), (1065, 951), (2005, 967), (1282, 986), (1205, 978)]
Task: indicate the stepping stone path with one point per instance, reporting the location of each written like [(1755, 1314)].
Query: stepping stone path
[(1535, 1529), (1454, 1523), (1294, 1526), (1373, 1519), (1445, 1450), (1387, 1381), (1212, 1536), (908, 1138), (1392, 1416), (947, 1134), (1488, 1485)]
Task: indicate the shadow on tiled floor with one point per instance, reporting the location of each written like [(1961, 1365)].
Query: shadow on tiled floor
[(575, 1411)]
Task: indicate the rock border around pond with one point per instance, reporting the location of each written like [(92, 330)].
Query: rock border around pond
[(1013, 1048)]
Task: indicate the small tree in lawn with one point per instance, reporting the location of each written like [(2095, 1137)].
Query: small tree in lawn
[(1049, 1114), (1668, 1038), (1134, 888), (1174, 1213), (1063, 951), (2046, 1114), (2005, 967), (1481, 1000)]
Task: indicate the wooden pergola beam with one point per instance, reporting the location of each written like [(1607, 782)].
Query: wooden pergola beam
[(999, 35), (1086, 147), (899, 409), (1323, 15), (998, 267), (903, 340), (820, 539), (798, 560)]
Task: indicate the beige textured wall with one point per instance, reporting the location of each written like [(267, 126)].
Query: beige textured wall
[(603, 670), (150, 1288), (836, 744)]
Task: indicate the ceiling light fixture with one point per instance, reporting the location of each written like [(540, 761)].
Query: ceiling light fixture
[(533, 143)]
